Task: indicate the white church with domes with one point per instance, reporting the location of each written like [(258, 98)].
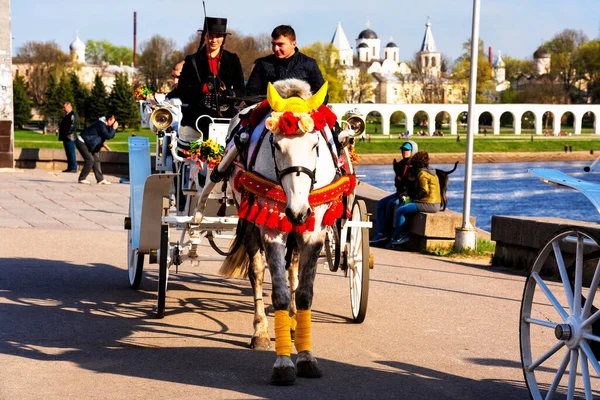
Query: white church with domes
[(393, 81), (85, 71)]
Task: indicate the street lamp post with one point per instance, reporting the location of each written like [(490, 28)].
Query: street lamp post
[(466, 235)]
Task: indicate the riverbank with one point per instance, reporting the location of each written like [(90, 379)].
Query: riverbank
[(448, 158)]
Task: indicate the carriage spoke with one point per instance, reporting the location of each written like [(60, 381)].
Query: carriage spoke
[(550, 296), (591, 319), (591, 357), (592, 292), (576, 310), (590, 336), (585, 372), (559, 345), (559, 375), (539, 322), (572, 374), (563, 273)]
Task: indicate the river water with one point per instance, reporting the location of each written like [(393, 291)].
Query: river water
[(505, 189)]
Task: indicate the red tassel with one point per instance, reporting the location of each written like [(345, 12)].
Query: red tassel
[(300, 228), (244, 207), (310, 224), (339, 209), (286, 225), (261, 218), (251, 217), (273, 220)]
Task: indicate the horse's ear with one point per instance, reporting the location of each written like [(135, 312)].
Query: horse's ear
[(318, 98), (275, 100)]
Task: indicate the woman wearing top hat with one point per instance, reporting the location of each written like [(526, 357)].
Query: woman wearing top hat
[(208, 78)]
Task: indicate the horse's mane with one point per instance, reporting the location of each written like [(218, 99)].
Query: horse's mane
[(293, 87)]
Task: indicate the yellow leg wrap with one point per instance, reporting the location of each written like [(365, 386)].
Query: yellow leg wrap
[(283, 338), (302, 339)]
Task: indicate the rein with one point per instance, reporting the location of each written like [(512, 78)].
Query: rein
[(295, 168)]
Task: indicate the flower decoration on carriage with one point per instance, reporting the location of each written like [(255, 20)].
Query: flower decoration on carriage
[(207, 151), (142, 92), (295, 115)]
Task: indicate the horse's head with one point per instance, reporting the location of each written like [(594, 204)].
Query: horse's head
[(295, 142)]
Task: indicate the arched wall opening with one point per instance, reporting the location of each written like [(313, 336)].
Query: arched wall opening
[(398, 123), (486, 120), (507, 122), (373, 120), (461, 123), (528, 123), (567, 122), (421, 123), (588, 123), (442, 123)]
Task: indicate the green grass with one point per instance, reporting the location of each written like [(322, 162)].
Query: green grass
[(36, 140), (485, 249)]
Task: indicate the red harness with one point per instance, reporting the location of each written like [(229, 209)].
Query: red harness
[(256, 187)]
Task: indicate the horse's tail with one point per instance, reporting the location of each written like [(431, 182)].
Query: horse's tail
[(236, 264)]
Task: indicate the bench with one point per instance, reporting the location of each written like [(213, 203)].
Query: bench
[(425, 230)]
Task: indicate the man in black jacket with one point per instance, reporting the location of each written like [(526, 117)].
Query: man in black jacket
[(67, 131), (208, 77), (285, 62), (89, 144)]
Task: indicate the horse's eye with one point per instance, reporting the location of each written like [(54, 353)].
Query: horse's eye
[(315, 146)]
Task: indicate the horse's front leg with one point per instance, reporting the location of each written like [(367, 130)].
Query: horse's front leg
[(284, 372), (310, 248), (256, 273), (293, 282)]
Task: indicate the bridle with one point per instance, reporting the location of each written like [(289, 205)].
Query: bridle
[(296, 168)]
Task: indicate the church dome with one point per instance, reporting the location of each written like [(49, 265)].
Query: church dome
[(541, 52), (362, 46), (367, 34), (77, 45), (391, 44)]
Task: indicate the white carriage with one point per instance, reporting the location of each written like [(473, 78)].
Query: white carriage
[(174, 208), (560, 316)]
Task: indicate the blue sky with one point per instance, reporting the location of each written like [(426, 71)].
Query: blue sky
[(516, 27)]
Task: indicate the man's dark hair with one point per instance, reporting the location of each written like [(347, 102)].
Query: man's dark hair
[(284, 30)]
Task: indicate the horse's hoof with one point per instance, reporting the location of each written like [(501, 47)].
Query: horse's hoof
[(308, 369), (283, 376), (260, 343)]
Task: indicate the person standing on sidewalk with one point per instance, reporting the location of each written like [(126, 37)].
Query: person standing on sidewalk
[(67, 133), (89, 144)]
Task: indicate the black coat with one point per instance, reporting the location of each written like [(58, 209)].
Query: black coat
[(272, 69), (190, 88), (67, 130), (96, 134)]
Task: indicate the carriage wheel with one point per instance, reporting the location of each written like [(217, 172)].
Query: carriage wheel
[(163, 270), (135, 263), (559, 328), (358, 263), (333, 247)]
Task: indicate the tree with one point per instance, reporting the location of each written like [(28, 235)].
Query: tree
[(97, 105), (51, 106), (80, 97), (515, 67), (102, 51), (45, 59), (563, 48), (359, 89), (64, 92), (324, 54), (587, 62), (21, 102), (122, 103), (156, 61), (485, 91)]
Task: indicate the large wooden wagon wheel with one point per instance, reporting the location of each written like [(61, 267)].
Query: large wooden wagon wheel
[(559, 325)]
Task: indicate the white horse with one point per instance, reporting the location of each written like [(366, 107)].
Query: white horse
[(273, 183)]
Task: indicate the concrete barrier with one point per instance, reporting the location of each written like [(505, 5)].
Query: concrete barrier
[(519, 239)]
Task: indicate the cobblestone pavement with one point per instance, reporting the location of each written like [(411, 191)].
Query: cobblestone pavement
[(55, 200)]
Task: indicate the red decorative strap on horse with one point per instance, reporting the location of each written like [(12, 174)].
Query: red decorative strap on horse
[(267, 189), (257, 187)]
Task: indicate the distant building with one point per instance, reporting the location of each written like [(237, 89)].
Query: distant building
[(393, 81), (84, 71), (541, 59)]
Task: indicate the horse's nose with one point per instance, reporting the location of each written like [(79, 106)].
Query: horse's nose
[(297, 218)]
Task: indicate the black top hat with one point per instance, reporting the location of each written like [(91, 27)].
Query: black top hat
[(216, 25)]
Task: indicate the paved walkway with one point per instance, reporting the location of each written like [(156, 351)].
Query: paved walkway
[(54, 200), (70, 327)]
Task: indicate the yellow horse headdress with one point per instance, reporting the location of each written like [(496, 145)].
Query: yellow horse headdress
[(295, 114), (295, 104)]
